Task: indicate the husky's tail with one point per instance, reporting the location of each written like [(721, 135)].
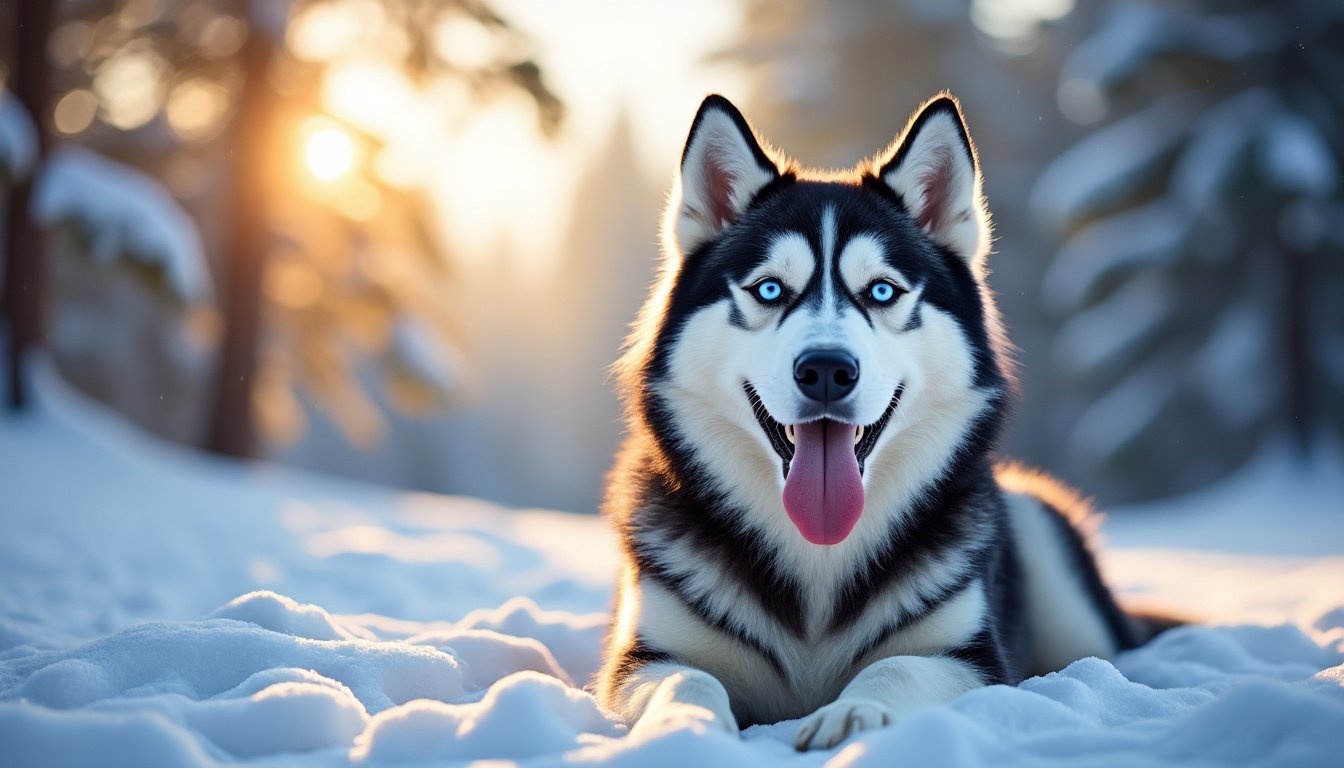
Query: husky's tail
[(1070, 534)]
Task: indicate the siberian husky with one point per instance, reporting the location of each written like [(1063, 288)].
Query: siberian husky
[(812, 522)]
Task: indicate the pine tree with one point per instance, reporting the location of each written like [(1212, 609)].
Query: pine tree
[(1201, 271)]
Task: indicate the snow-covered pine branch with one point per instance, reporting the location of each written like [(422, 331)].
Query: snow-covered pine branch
[(124, 215), (1199, 270), (425, 371), (18, 139)]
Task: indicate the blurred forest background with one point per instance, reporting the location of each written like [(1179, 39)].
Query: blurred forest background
[(401, 240)]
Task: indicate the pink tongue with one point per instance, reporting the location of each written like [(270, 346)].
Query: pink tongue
[(823, 492)]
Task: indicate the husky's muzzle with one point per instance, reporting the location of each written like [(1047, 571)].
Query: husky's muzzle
[(823, 459)]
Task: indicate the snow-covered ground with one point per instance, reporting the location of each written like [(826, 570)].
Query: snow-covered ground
[(158, 608)]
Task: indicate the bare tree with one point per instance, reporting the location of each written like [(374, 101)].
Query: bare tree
[(231, 431), (24, 271)]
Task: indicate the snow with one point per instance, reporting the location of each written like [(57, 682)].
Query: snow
[(160, 608), (1295, 157), (18, 138), (124, 214)]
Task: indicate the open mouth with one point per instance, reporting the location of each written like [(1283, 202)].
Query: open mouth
[(823, 468), (784, 437)]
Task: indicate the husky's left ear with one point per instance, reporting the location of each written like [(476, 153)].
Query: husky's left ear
[(722, 169), (934, 169)]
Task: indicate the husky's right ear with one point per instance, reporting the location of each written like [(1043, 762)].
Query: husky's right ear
[(933, 167), (722, 168)]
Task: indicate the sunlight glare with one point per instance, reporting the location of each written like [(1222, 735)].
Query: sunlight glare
[(330, 153), (373, 96)]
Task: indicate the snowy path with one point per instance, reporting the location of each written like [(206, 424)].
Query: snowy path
[(405, 629)]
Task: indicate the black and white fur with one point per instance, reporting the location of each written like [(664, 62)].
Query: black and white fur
[(958, 574)]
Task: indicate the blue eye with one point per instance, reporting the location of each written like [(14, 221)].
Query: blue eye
[(882, 292), (769, 291)]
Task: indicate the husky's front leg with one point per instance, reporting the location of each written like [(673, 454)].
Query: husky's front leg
[(884, 691), (664, 694)]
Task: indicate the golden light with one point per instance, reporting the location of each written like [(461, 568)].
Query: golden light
[(362, 201), (330, 153), (195, 107), (129, 86), (292, 284), (75, 111), (463, 42)]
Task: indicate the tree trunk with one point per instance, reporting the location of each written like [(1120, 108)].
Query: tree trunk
[(25, 276), (231, 427), (1296, 333)]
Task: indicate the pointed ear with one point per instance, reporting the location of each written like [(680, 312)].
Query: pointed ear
[(722, 168), (934, 169)]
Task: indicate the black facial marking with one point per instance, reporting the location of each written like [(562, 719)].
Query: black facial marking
[(735, 316), (916, 319), (870, 208), (843, 297)]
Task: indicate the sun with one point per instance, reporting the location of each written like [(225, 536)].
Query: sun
[(330, 153)]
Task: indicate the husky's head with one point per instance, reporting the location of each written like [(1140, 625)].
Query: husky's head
[(818, 344)]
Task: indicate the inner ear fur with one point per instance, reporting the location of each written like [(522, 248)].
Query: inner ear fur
[(935, 170), (723, 166)]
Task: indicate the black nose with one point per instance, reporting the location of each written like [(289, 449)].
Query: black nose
[(826, 375)]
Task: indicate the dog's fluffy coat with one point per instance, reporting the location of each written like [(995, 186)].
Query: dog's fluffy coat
[(956, 574)]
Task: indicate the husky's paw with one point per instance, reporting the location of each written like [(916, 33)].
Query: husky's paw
[(674, 715), (839, 720)]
